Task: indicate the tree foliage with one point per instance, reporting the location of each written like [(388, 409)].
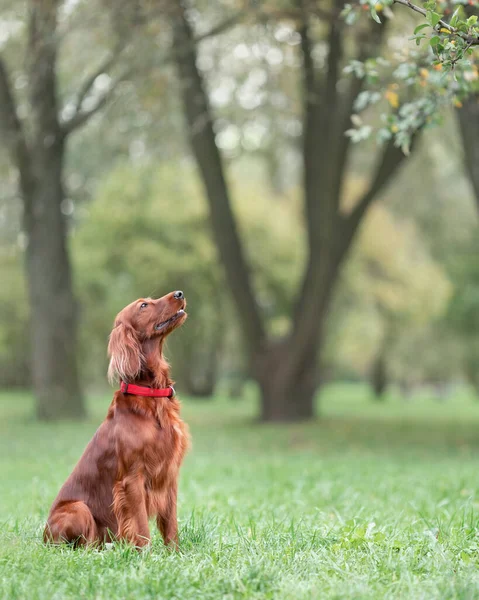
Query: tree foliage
[(435, 69)]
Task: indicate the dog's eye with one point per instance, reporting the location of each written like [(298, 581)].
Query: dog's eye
[(143, 304)]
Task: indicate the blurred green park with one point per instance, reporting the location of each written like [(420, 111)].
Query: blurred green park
[(309, 177)]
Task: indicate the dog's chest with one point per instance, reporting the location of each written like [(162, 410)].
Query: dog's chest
[(164, 459), (162, 467)]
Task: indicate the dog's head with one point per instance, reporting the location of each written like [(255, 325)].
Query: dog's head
[(138, 325)]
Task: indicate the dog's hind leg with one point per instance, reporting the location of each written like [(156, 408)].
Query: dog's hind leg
[(71, 522)]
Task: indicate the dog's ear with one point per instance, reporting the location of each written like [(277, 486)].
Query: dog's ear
[(126, 358)]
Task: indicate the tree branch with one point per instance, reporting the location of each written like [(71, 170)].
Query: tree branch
[(321, 275), (202, 138), (42, 80), (9, 121), (222, 26), (311, 112), (391, 159), (320, 110), (87, 85), (82, 116), (327, 136), (369, 42), (295, 13), (335, 54), (308, 64), (328, 243), (470, 39), (11, 128), (319, 134)]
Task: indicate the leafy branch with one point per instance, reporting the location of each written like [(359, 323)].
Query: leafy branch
[(465, 29)]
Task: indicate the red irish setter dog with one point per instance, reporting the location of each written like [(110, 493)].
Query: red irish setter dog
[(129, 470)]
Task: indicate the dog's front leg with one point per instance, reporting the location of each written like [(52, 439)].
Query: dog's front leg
[(129, 506), (166, 519)]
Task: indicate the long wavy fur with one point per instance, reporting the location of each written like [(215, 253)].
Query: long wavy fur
[(126, 358)]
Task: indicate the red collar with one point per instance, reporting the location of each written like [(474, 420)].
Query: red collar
[(138, 390)]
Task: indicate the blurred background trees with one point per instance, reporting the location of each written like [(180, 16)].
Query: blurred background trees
[(202, 146)]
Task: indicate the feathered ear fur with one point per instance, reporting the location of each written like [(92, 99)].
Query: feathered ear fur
[(126, 358)]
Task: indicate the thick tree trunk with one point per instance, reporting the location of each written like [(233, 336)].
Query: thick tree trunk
[(379, 376), (286, 370), (53, 307), (289, 370), (37, 148), (287, 394)]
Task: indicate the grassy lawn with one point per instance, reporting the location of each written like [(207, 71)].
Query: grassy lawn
[(370, 501)]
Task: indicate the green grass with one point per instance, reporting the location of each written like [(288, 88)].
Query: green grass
[(371, 501)]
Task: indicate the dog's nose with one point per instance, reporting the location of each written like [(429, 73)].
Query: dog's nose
[(178, 295)]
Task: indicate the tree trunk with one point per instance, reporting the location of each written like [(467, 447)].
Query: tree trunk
[(468, 117), (286, 370), (53, 307), (287, 394), (289, 370), (471, 370), (379, 376), (37, 149)]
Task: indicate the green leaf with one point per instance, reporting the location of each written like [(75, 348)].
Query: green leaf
[(433, 18), (421, 27), (455, 17), (374, 15), (434, 41)]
